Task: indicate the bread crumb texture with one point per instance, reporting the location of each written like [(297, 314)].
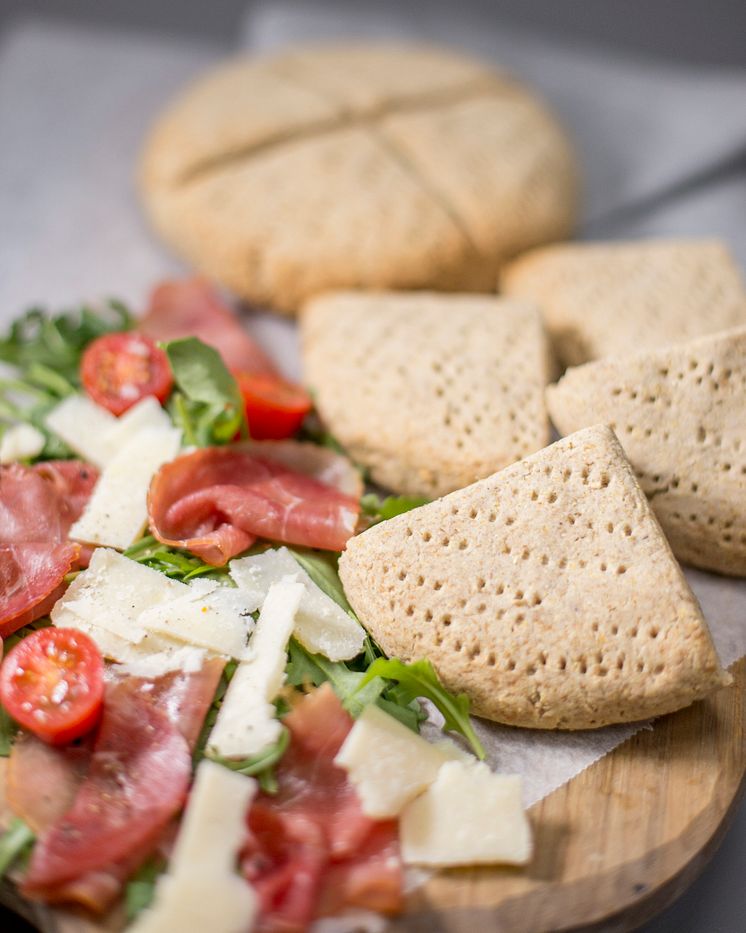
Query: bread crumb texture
[(430, 392), (680, 415), (346, 166), (546, 592), (615, 299)]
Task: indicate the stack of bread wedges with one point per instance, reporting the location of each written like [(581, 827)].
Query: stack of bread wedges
[(408, 204)]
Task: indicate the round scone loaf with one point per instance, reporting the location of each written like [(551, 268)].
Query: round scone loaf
[(363, 166)]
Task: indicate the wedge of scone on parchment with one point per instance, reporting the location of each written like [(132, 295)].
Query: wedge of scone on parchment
[(546, 592), (613, 299), (680, 415), (430, 392)]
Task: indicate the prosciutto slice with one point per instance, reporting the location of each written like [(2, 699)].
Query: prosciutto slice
[(38, 505), (103, 810), (312, 851), (192, 308), (218, 500)]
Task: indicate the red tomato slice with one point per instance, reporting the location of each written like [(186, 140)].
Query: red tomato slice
[(275, 409), (52, 683), (117, 370)]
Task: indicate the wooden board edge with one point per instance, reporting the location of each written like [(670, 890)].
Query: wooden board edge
[(523, 905)]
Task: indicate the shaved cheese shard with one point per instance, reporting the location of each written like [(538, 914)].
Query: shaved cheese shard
[(247, 722), (81, 424), (147, 413), (468, 816), (117, 511), (21, 442), (132, 611), (184, 658), (388, 764), (97, 435), (321, 625), (112, 594), (201, 890), (120, 649), (208, 614)]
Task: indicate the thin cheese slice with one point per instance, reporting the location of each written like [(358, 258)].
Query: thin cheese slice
[(155, 664), (21, 442), (468, 816), (208, 614), (201, 890), (321, 625), (81, 424), (97, 435), (147, 413), (247, 722), (120, 649), (112, 594), (388, 764), (117, 511), (132, 611)]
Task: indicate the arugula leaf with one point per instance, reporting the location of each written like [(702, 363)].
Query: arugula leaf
[(212, 714), (383, 509), (57, 342), (174, 563), (8, 729), (260, 765), (140, 889), (208, 406), (46, 352), (312, 430), (304, 668), (420, 680), (15, 842), (322, 569)]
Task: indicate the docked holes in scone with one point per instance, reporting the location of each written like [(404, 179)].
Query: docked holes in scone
[(455, 426), (680, 417), (511, 592)]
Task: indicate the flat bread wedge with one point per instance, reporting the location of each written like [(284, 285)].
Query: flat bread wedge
[(430, 392), (680, 415), (356, 165), (615, 299), (546, 592)]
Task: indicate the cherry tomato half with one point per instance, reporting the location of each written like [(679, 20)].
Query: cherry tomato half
[(52, 683), (275, 409), (117, 370)]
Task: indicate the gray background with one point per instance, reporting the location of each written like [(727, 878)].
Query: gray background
[(706, 31), (712, 32)]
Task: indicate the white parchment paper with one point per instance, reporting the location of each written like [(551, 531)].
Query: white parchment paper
[(75, 105)]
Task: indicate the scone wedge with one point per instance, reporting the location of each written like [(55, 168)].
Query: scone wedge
[(614, 299), (546, 592), (430, 392), (680, 415)]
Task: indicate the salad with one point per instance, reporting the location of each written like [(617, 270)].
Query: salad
[(195, 723)]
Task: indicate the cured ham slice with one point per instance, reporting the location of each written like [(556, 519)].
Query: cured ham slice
[(312, 851), (137, 781), (126, 775), (38, 505), (192, 308), (43, 779), (321, 463), (217, 501)]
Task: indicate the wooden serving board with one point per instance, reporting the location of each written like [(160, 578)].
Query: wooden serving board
[(613, 846)]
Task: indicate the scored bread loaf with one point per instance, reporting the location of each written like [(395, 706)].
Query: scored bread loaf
[(680, 415), (356, 165), (614, 299), (546, 592), (430, 392)]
